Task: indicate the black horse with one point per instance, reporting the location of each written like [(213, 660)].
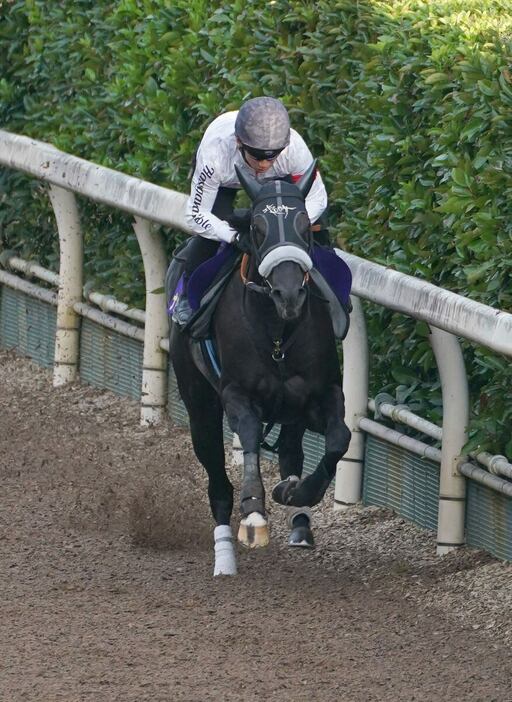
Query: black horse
[(278, 363)]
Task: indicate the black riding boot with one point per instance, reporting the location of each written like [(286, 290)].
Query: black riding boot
[(196, 251)]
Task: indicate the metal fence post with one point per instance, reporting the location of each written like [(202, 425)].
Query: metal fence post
[(154, 368), (452, 488), (349, 472), (67, 339)]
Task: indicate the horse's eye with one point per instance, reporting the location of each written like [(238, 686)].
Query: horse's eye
[(260, 224), (260, 229)]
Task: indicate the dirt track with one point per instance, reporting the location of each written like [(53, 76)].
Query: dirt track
[(107, 590)]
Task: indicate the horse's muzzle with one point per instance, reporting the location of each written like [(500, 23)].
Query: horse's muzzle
[(288, 304)]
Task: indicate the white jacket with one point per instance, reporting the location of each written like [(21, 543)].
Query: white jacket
[(215, 167)]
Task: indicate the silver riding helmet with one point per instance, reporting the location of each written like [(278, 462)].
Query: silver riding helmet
[(263, 123)]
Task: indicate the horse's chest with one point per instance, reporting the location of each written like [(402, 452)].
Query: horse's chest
[(286, 398)]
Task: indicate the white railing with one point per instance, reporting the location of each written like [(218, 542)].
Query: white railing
[(66, 176), (447, 314)]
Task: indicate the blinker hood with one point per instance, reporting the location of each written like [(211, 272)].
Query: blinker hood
[(280, 226)]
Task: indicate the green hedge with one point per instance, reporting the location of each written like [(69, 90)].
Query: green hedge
[(407, 104)]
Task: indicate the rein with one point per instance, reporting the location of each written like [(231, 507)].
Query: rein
[(249, 283)]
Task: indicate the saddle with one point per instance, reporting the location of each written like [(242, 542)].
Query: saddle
[(204, 287)]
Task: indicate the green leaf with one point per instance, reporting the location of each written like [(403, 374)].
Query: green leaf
[(461, 177), (436, 78), (488, 87)]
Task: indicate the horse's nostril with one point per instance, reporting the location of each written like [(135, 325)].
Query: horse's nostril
[(288, 299)]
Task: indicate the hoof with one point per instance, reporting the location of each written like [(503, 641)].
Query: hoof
[(301, 537), (283, 491), (254, 531)]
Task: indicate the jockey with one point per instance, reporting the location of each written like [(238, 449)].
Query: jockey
[(258, 139)]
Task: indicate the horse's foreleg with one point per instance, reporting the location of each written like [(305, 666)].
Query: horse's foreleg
[(299, 521), (310, 491), (291, 455), (205, 414), (291, 463), (244, 421), (253, 531)]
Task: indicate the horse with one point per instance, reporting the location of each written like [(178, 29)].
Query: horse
[(278, 364)]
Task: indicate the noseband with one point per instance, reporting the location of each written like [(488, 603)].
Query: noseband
[(251, 285)]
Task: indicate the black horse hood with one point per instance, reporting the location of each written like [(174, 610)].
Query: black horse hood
[(281, 229)]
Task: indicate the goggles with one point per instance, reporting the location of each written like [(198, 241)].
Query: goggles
[(262, 154)]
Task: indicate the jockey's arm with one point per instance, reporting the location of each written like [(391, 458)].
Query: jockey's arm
[(300, 159), (316, 201), (198, 211)]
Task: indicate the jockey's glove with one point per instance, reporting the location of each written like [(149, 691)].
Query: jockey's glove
[(240, 219), (242, 241)]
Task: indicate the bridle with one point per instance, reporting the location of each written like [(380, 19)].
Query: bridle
[(294, 244)]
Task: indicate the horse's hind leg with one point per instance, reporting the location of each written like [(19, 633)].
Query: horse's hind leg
[(291, 463), (205, 414)]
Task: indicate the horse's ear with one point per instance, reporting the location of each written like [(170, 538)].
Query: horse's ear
[(305, 183), (250, 185)]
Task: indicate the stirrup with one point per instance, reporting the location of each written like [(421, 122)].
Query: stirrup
[(183, 311)]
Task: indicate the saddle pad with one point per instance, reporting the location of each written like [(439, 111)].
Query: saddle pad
[(335, 272), (205, 274)]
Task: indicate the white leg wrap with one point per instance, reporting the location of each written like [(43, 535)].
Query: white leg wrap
[(225, 559), (292, 512)]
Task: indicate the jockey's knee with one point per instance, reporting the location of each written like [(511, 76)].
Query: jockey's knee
[(320, 231), (321, 236), (197, 251)]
